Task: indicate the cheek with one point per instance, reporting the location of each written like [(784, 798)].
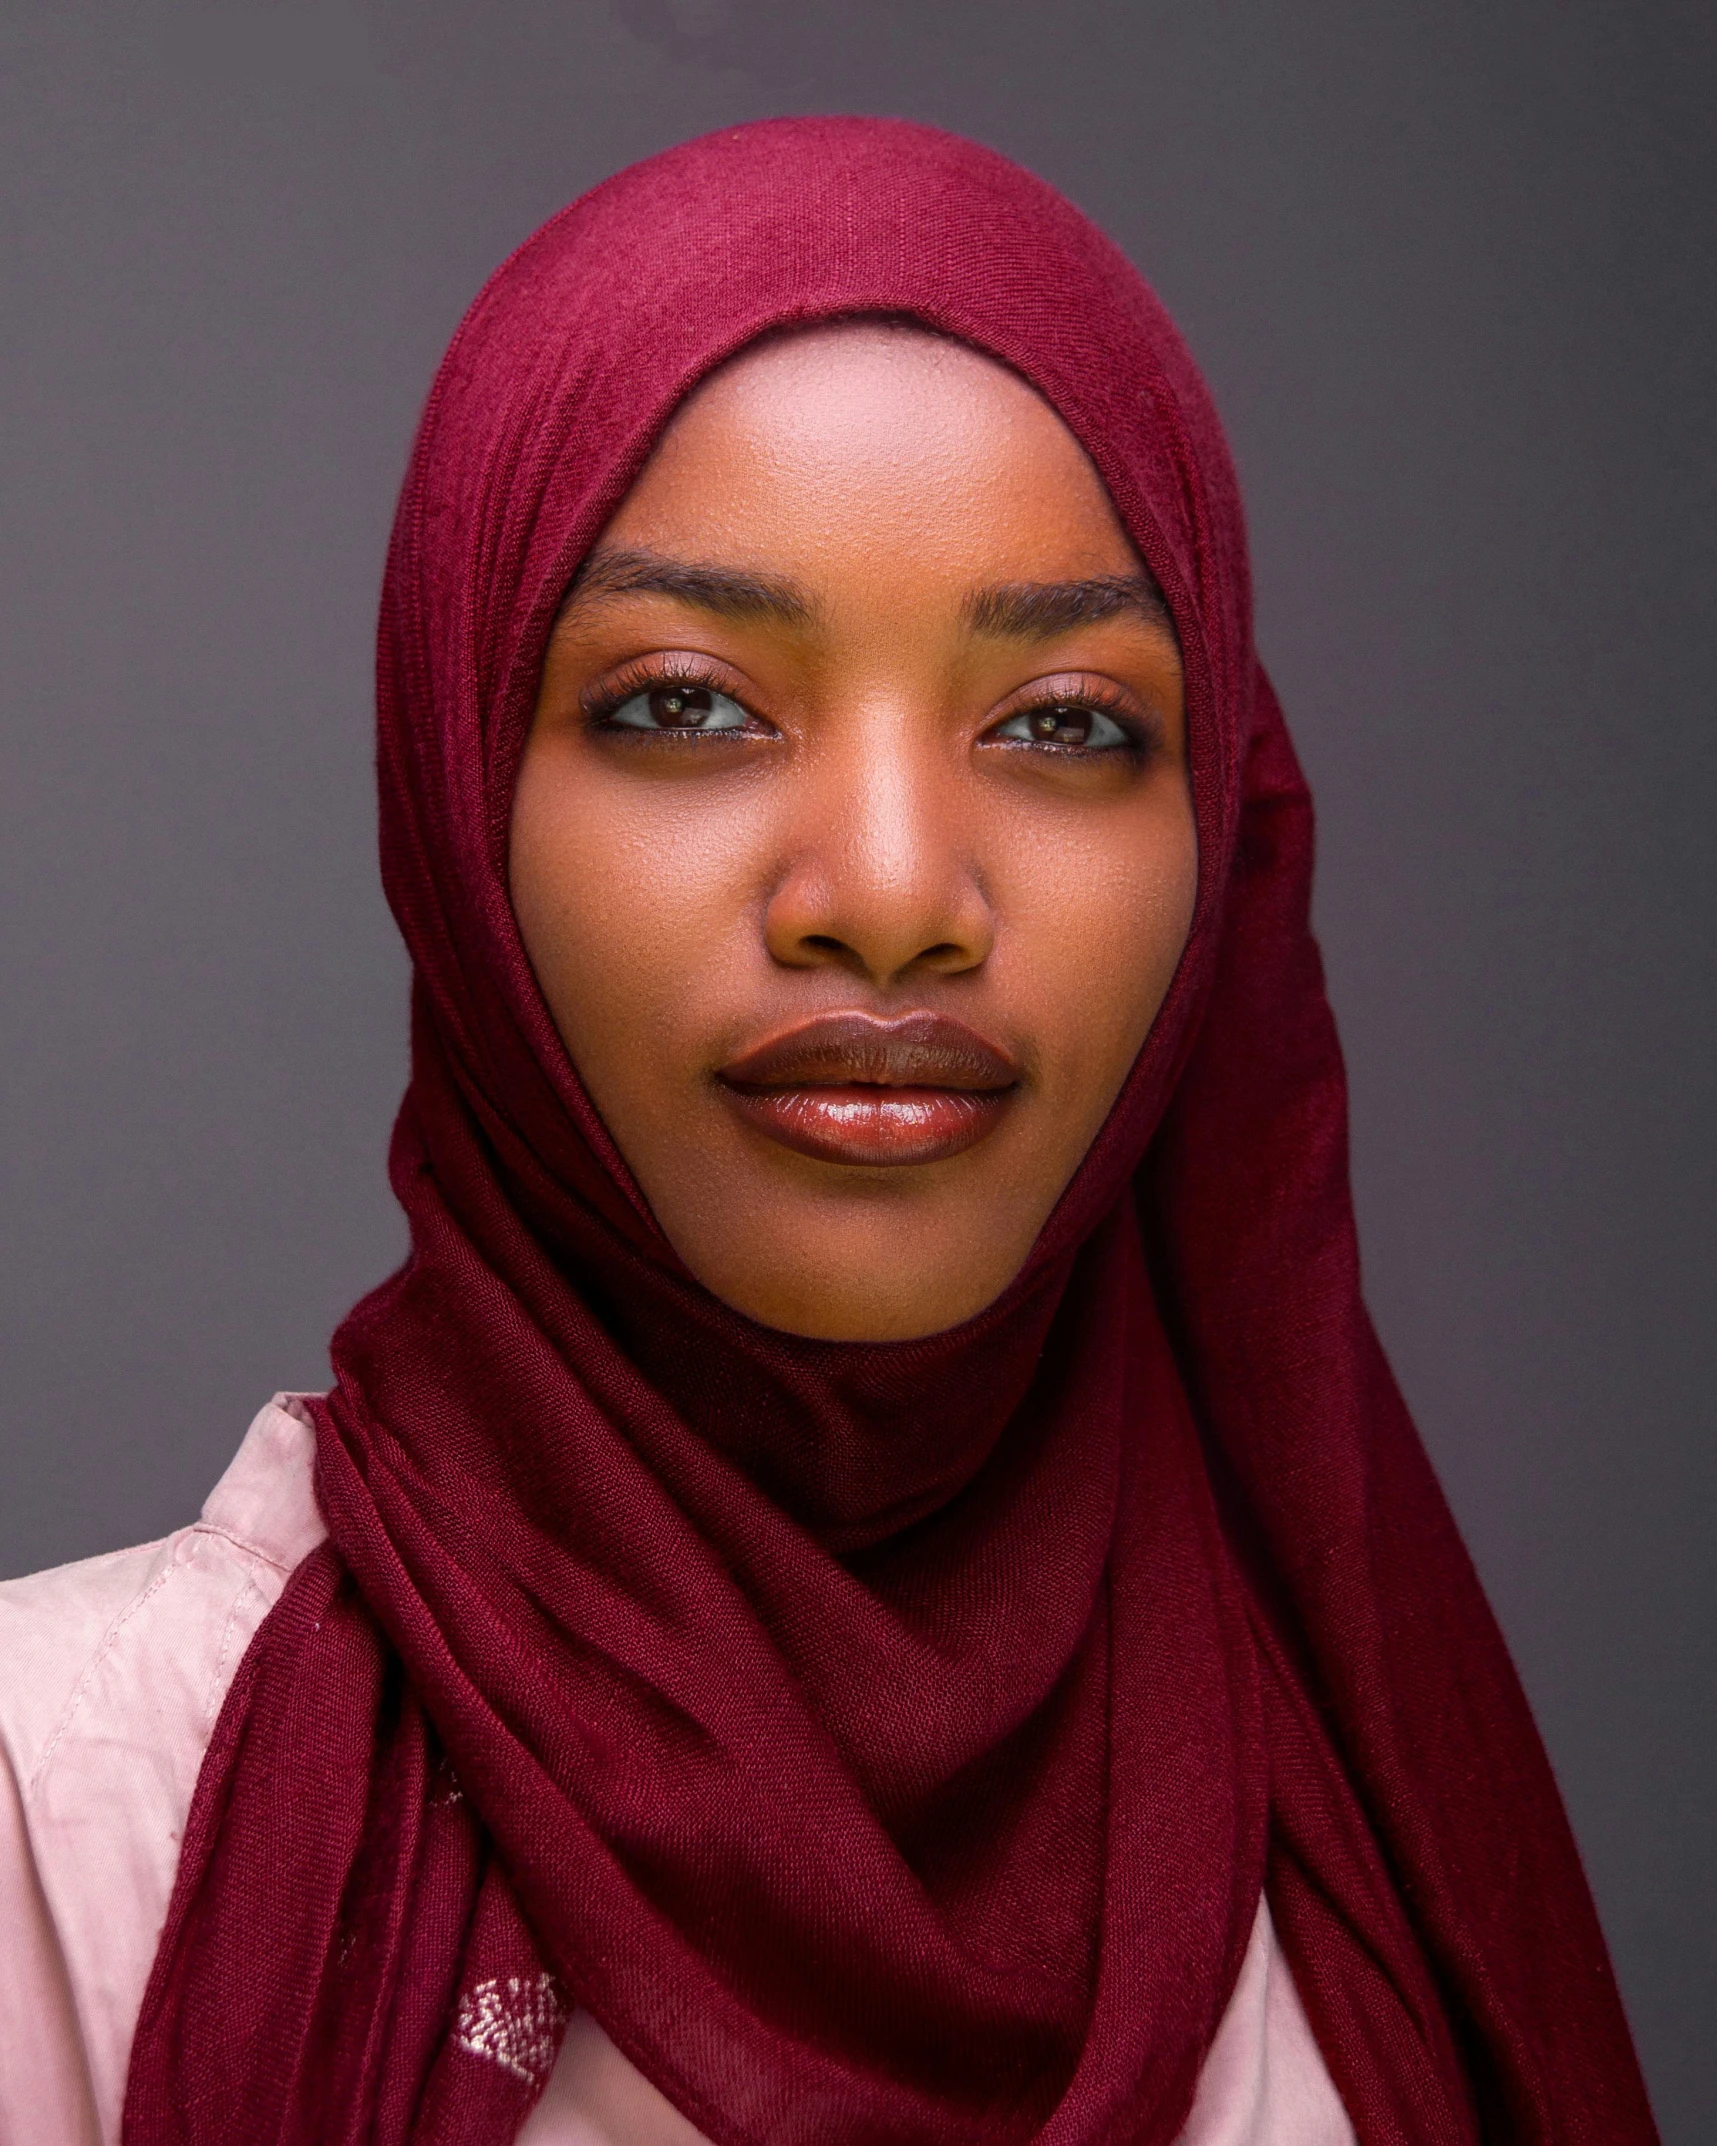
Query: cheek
[(633, 904), (1101, 928)]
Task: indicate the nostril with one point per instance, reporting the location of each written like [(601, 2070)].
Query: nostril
[(823, 943)]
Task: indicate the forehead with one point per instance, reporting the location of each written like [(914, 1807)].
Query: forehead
[(876, 448)]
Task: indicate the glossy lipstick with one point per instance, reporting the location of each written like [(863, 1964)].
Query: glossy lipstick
[(849, 1087)]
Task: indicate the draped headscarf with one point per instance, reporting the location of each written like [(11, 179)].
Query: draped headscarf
[(884, 1743)]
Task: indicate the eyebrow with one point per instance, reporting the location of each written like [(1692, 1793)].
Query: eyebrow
[(1038, 610), (728, 591), (1016, 610)]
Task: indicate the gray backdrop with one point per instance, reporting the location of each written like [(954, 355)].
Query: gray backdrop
[(1449, 267)]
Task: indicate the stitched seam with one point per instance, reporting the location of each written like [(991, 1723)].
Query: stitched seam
[(217, 1682), (80, 1689), (243, 1542)]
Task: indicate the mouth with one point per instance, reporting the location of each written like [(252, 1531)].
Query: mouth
[(850, 1088)]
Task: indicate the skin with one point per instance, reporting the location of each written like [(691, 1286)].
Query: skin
[(869, 839)]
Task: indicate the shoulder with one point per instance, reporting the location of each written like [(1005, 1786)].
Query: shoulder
[(112, 1674), (101, 1635)]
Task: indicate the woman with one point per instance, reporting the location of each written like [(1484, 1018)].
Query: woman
[(867, 1581)]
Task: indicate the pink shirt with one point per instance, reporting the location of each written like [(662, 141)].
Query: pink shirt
[(112, 1673)]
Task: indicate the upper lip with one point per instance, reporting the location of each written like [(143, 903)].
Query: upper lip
[(915, 1050)]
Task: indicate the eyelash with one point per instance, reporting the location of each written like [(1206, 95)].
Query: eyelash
[(1102, 699), (601, 703)]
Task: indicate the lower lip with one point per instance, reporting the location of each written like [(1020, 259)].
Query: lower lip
[(872, 1125)]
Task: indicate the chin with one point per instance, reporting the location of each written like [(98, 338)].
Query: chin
[(858, 1304)]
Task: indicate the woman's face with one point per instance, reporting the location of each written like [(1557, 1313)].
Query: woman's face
[(853, 842)]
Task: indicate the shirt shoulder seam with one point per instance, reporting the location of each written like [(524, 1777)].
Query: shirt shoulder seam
[(110, 1637), (252, 1549), (104, 1648)]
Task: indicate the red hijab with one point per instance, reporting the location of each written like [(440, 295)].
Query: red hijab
[(885, 1744)]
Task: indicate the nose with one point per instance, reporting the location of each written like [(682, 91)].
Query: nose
[(878, 878)]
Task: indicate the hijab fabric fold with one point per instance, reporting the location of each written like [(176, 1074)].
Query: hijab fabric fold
[(885, 1744)]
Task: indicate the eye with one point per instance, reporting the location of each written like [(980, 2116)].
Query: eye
[(1069, 724), (675, 706)]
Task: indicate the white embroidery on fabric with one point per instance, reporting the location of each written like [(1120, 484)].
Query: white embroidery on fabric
[(515, 2021)]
